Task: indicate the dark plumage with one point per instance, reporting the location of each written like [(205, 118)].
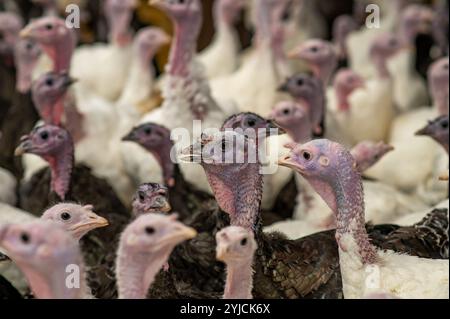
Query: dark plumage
[(7, 291)]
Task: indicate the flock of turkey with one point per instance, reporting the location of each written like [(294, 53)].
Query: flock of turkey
[(92, 176)]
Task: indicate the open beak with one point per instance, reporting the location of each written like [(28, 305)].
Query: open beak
[(93, 221)]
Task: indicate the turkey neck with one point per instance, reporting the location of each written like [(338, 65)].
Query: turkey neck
[(183, 46), (239, 194), (162, 156), (239, 281), (137, 271), (349, 208), (61, 166), (61, 52)]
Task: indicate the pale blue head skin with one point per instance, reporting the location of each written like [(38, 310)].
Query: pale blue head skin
[(437, 130)]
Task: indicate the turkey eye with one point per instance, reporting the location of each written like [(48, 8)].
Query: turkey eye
[(306, 155), (446, 66), (314, 49), (149, 230), (49, 82), (444, 124), (244, 241), (29, 46), (148, 131), (65, 216), (141, 196), (286, 111), (44, 135), (251, 123), (25, 238), (300, 82), (48, 26)]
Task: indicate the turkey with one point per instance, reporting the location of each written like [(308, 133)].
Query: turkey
[(307, 267), (330, 169)]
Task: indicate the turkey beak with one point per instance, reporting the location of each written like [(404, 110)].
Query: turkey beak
[(181, 233), (160, 203), (287, 161), (4, 258), (130, 137), (221, 252), (283, 87), (68, 81), (293, 54), (423, 131), (272, 125), (24, 147), (92, 221), (26, 32)]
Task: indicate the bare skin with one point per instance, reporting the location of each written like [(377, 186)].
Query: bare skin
[(145, 246), (150, 198), (437, 130), (43, 250), (236, 247), (345, 82), (54, 144), (76, 219), (48, 94)]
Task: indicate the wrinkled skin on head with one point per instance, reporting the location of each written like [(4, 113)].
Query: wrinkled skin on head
[(252, 125), (150, 198), (235, 245), (151, 233), (10, 25), (76, 219), (438, 76), (437, 130), (294, 118), (368, 153), (46, 140), (48, 92)]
